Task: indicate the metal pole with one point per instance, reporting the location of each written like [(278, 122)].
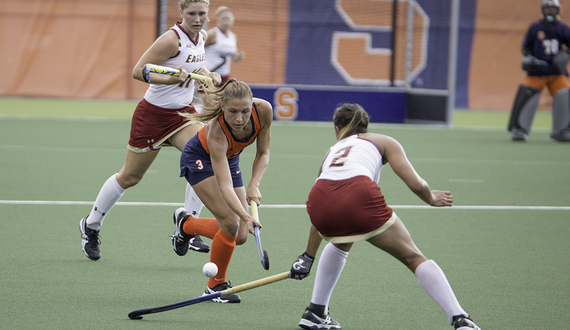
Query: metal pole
[(393, 58), (410, 42), (130, 47), (161, 16), (452, 65)]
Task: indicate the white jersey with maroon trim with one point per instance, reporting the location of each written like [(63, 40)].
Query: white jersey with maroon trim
[(351, 157), (219, 54), (191, 56)]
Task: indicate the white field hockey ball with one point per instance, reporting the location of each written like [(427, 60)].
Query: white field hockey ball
[(210, 269)]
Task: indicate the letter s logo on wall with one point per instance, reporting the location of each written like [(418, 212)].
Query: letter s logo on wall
[(353, 55), (285, 103)]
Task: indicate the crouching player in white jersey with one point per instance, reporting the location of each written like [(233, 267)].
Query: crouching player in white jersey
[(346, 206), (156, 121)]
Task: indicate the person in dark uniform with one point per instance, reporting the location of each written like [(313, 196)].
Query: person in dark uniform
[(545, 49)]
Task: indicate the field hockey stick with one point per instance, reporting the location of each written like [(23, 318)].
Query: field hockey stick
[(137, 315), (148, 68), (263, 257)]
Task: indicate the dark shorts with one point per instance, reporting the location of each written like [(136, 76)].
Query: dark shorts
[(347, 207), (196, 165), (152, 126)]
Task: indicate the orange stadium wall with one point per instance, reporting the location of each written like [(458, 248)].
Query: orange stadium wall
[(76, 49), (87, 49)]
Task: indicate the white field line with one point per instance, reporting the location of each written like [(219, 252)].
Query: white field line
[(412, 159), (301, 206)]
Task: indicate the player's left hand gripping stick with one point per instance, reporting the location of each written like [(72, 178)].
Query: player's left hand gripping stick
[(263, 257)]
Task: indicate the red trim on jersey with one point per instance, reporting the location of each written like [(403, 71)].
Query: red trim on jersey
[(195, 42), (179, 43), (377, 147)]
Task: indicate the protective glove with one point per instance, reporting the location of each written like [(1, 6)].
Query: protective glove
[(560, 61), (301, 266), (532, 64)]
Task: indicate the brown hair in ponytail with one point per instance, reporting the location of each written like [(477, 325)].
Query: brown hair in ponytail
[(350, 118)]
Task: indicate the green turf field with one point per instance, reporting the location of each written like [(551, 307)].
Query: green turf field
[(504, 246)]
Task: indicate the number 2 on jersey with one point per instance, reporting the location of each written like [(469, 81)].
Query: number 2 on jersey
[(340, 157)]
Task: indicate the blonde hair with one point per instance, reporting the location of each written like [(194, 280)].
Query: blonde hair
[(185, 3), (222, 9), (216, 98), (350, 118)]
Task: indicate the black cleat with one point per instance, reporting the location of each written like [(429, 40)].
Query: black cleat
[(519, 135), (229, 299), (461, 322), (562, 136), (310, 320), (90, 240), (182, 241), (196, 244)]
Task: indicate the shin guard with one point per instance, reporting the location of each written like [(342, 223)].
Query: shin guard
[(560, 111), (524, 108)]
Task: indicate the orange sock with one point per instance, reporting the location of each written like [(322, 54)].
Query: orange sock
[(221, 254), (207, 227)]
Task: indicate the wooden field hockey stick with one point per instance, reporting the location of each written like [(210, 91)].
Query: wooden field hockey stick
[(137, 314), (263, 257), (148, 68)]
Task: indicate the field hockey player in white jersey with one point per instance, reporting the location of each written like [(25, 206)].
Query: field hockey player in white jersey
[(346, 205), (156, 121), (221, 45)]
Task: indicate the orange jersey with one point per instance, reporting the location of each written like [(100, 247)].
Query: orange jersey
[(236, 146)]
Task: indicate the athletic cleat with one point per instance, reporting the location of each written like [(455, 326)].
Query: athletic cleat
[(182, 241), (197, 244), (519, 135), (90, 240), (563, 136), (229, 299), (310, 320), (464, 323)]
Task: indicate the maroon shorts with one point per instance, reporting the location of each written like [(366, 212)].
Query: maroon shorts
[(348, 207), (151, 126)]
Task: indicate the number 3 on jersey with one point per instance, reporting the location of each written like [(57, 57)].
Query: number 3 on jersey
[(340, 157)]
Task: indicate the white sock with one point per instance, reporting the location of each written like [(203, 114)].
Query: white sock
[(331, 264), (108, 196), (433, 281), (192, 202)]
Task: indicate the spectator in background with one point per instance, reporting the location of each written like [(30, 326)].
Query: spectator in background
[(545, 49)]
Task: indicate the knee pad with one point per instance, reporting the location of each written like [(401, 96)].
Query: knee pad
[(524, 108), (560, 111)]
